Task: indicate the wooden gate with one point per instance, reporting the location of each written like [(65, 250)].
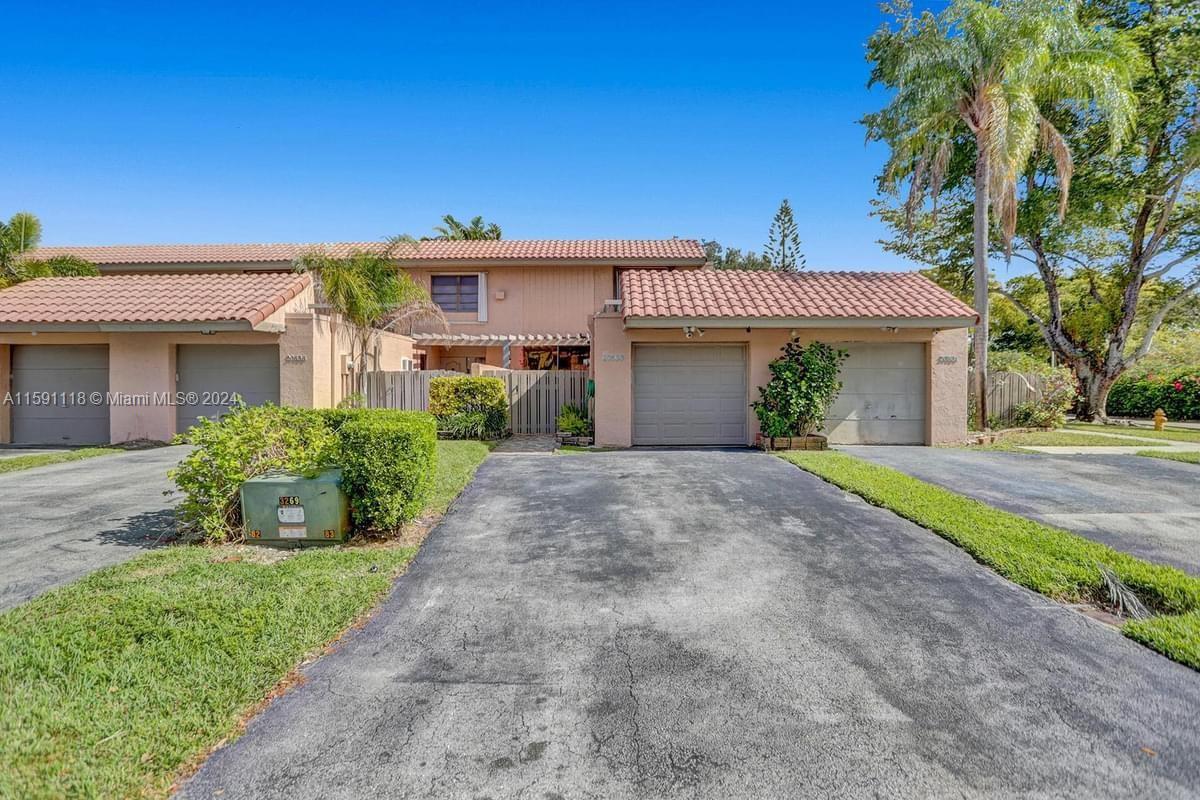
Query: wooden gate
[(534, 396)]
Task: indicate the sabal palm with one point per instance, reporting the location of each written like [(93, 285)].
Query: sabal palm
[(988, 72), (475, 230), (370, 291)]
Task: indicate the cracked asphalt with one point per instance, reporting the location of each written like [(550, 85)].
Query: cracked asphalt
[(711, 624)]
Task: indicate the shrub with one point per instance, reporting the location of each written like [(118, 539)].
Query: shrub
[(1050, 411), (465, 425), (248, 442), (388, 463), (468, 395), (1177, 393), (573, 420), (804, 383)]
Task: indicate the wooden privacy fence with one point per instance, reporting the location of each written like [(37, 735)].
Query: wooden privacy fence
[(1007, 390), (534, 396)]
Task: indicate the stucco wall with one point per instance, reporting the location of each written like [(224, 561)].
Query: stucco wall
[(612, 363), (5, 382), (537, 298)]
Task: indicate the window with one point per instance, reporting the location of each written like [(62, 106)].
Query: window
[(456, 292)]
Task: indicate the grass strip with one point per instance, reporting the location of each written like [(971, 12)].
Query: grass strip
[(111, 686), (1186, 456), (1172, 434), (1015, 441), (18, 463), (1053, 562)]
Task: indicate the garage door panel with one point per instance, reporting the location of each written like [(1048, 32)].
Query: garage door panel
[(689, 394), (873, 431), (883, 397), (210, 372), (66, 373)]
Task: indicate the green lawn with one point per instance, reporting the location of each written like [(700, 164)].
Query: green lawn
[(1054, 562), (1192, 457), (1015, 441), (16, 463), (110, 686), (1174, 434)]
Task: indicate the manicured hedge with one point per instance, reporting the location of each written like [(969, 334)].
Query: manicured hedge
[(456, 400), (388, 463), (388, 459), (1177, 393)]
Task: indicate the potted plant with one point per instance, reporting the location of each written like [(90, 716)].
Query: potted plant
[(574, 427), (804, 383)]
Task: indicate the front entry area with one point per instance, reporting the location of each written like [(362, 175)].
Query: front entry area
[(689, 394)]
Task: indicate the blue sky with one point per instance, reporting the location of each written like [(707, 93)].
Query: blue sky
[(295, 122)]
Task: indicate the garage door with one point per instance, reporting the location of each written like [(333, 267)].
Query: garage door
[(56, 389), (689, 394), (211, 374), (883, 396)]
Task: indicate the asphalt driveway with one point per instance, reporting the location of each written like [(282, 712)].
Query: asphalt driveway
[(1149, 507), (711, 624), (60, 522)]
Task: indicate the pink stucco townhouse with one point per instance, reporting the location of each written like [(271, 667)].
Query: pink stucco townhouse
[(676, 349)]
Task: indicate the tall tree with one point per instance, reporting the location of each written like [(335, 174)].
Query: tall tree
[(1127, 261), (19, 238), (782, 251), (474, 230), (368, 290), (980, 75)]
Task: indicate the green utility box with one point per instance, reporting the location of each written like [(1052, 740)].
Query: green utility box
[(284, 510)]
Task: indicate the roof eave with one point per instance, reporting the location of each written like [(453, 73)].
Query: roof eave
[(800, 322), (214, 326)]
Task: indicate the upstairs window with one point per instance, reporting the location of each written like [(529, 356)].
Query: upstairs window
[(456, 292)]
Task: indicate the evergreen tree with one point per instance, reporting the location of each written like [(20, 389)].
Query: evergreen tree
[(783, 242)]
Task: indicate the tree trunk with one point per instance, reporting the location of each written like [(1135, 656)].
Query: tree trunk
[(979, 385), (1094, 397)]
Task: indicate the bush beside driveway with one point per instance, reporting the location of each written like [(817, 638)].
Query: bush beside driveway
[(110, 686)]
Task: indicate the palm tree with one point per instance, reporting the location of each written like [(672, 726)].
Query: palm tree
[(368, 290), (474, 231), (19, 238), (986, 73)]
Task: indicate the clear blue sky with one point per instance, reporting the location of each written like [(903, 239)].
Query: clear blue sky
[(296, 122)]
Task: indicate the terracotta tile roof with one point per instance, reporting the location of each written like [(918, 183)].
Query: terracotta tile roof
[(650, 250), (147, 299), (498, 339), (734, 294)]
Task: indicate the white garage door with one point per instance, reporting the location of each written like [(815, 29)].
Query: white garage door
[(689, 394), (60, 394), (210, 373), (883, 396)]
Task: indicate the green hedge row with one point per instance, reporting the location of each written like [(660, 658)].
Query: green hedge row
[(1177, 393), (388, 459)]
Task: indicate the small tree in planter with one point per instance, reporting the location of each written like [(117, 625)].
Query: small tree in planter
[(804, 383)]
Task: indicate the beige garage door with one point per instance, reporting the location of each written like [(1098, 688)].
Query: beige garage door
[(60, 394), (689, 394), (209, 374), (883, 396)]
